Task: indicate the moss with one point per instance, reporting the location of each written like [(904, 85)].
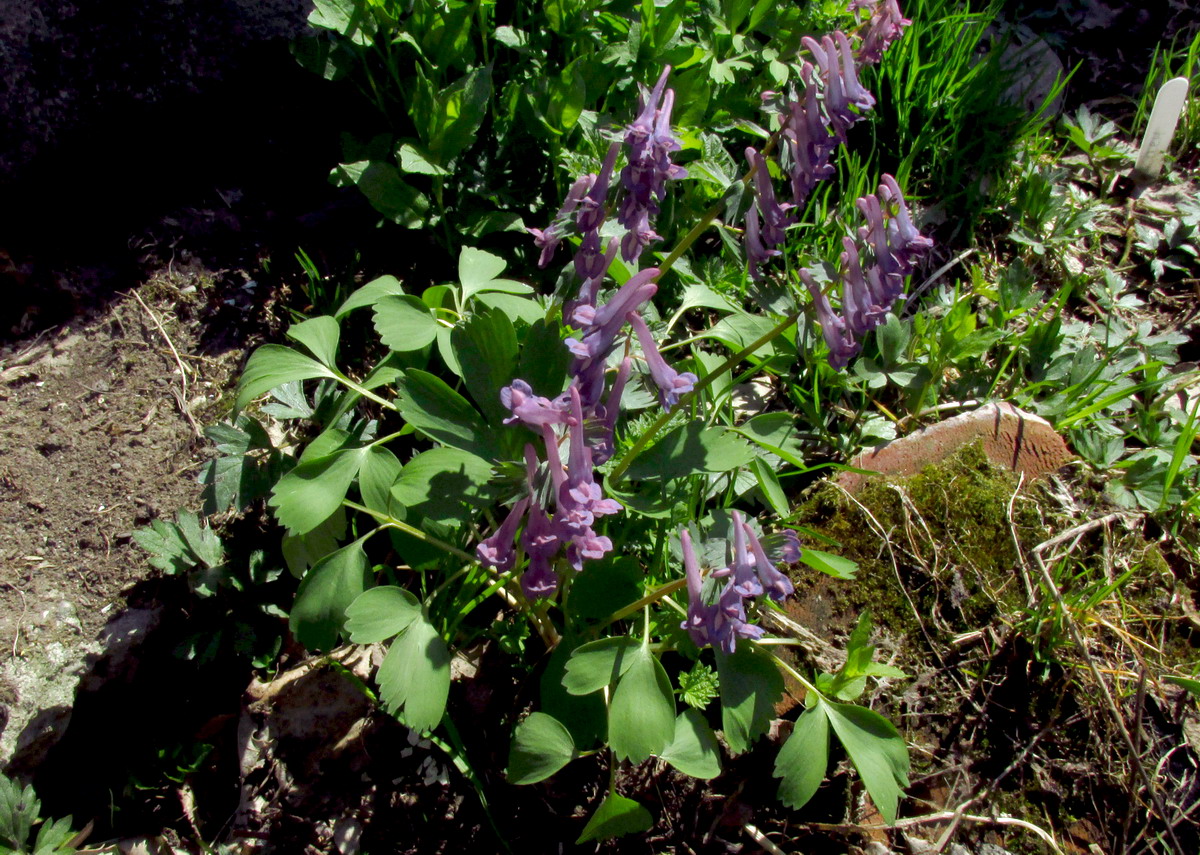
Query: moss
[(949, 543)]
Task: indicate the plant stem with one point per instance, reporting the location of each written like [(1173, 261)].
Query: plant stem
[(796, 675), (366, 393), (651, 598), (642, 441), (392, 522)]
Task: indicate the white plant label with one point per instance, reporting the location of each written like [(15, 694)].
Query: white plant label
[(1168, 104)]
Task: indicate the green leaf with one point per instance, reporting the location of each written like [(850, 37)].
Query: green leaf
[(369, 295), (340, 16), (201, 539), (380, 613), (750, 686), (19, 810), (414, 679), (486, 349), (302, 551), (306, 496), (541, 746), (834, 565), (777, 433), (377, 475), (404, 323), (616, 816), (694, 750), (334, 582), (802, 761), (641, 716), (877, 751), (273, 365), (414, 160), (168, 550), (692, 449), (437, 411), (478, 271), (597, 664), (607, 586), (768, 483), (740, 330), (544, 358), (320, 336), (441, 482), (584, 715), (461, 108), (387, 192), (1191, 685)]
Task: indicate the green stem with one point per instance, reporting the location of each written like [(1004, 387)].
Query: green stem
[(642, 441), (366, 393), (648, 600), (796, 675), (392, 522)]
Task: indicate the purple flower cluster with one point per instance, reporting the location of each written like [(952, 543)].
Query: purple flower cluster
[(811, 127), (650, 143), (885, 24), (583, 417), (873, 269), (750, 573), (814, 122)]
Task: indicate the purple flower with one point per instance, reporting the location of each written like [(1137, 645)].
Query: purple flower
[(671, 383), (886, 24), (530, 409), (745, 580), (539, 581), (644, 177), (763, 235), (603, 440), (498, 550), (750, 573), (842, 345), (600, 329), (783, 546), (547, 241), (701, 617), (872, 283), (776, 584)]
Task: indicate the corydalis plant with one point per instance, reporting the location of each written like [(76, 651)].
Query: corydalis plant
[(812, 122), (721, 620), (873, 270)]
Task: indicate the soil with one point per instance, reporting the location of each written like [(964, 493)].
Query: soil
[(124, 341)]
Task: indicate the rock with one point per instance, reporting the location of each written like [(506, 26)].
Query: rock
[(1021, 441)]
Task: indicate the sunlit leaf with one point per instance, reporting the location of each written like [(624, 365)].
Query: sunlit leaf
[(414, 679), (380, 613), (541, 746), (594, 665), (694, 750), (309, 493), (833, 565), (692, 449), (804, 758), (369, 294), (750, 686), (319, 612), (877, 751), (404, 323), (437, 411), (641, 716), (615, 817), (273, 365), (320, 336)]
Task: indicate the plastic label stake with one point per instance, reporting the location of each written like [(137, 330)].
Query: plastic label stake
[(1168, 105)]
